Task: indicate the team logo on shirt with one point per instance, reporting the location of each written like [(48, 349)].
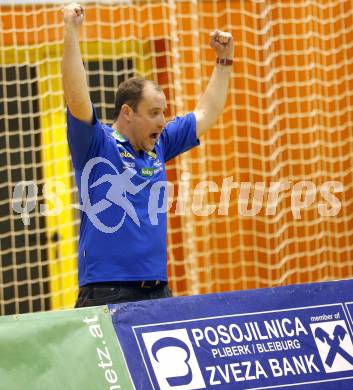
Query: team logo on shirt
[(121, 184)]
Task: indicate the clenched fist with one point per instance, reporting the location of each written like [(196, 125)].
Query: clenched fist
[(73, 14), (223, 44)]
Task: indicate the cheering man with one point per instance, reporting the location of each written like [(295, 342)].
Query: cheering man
[(122, 250)]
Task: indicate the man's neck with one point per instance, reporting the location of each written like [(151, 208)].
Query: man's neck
[(125, 133)]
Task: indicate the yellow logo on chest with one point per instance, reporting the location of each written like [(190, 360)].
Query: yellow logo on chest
[(126, 154)]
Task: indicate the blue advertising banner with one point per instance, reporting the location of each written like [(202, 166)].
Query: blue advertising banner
[(286, 337)]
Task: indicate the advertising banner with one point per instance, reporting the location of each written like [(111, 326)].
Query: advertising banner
[(71, 350), (287, 337)]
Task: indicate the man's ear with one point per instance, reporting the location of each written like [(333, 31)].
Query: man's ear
[(127, 111)]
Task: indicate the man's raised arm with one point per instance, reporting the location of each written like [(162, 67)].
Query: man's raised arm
[(211, 104), (74, 74)]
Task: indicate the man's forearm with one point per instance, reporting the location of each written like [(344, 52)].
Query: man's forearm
[(212, 102), (74, 76)]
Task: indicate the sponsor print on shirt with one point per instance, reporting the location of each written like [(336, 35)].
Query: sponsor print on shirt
[(263, 350), (147, 171), (118, 136), (152, 155), (128, 164), (126, 154)]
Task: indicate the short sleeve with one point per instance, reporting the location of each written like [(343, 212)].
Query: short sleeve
[(179, 136), (84, 139)]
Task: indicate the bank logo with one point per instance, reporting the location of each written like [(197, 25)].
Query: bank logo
[(334, 344), (173, 360)]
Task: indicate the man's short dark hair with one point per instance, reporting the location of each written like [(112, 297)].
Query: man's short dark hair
[(130, 93)]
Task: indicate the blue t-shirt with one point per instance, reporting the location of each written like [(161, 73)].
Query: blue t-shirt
[(123, 232)]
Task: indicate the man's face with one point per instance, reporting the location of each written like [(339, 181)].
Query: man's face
[(147, 123)]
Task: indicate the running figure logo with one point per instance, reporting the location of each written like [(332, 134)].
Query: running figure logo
[(334, 344), (120, 185)]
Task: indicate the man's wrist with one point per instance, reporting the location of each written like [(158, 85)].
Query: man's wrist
[(224, 61), (71, 28)]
